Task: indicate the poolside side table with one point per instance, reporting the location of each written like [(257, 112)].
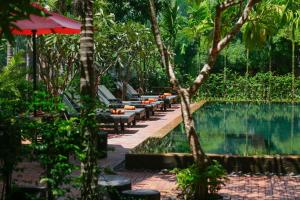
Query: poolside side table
[(114, 184), (141, 194)]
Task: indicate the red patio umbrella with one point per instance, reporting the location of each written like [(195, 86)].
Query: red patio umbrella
[(52, 23)]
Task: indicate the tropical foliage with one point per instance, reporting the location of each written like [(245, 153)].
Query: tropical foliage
[(116, 43), (260, 87), (189, 179), (54, 138)]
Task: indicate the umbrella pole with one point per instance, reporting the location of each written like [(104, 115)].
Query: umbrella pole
[(34, 68)]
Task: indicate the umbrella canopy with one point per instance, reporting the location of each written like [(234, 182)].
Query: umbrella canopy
[(52, 23)]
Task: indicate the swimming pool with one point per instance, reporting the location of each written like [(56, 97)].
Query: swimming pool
[(238, 129)]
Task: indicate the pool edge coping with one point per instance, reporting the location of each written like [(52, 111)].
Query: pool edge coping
[(162, 132)]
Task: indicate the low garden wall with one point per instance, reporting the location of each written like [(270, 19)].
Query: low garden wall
[(232, 163)]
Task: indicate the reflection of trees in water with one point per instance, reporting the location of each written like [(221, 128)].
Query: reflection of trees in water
[(253, 126), (240, 128), (292, 145)]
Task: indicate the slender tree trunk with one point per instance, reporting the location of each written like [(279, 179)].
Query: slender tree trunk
[(124, 90), (247, 62), (9, 52), (200, 158), (125, 81), (224, 73), (298, 61), (247, 73), (28, 58), (143, 75), (88, 95), (270, 71), (293, 70), (197, 151), (270, 57)]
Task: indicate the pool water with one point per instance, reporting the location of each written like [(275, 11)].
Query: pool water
[(239, 129)]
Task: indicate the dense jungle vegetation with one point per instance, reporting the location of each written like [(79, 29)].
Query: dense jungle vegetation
[(250, 49)]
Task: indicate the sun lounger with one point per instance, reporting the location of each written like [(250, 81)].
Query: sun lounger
[(140, 113), (113, 101), (102, 116), (134, 95)]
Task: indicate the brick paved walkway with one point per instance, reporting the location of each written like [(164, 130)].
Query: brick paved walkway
[(262, 187), (236, 188)]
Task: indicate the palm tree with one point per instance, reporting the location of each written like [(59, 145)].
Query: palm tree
[(88, 95), (259, 30), (291, 32), (170, 20)]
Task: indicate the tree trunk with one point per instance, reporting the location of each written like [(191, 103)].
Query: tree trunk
[(270, 71), (293, 70), (247, 74), (224, 73), (9, 52), (197, 151), (199, 156), (298, 61), (28, 58), (126, 81), (247, 62), (185, 94), (124, 90), (88, 95), (270, 57)]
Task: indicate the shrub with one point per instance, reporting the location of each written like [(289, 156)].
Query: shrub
[(190, 178), (260, 87), (13, 88), (53, 138)]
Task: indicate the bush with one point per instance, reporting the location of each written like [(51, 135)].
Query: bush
[(53, 138), (260, 87), (13, 101), (190, 178)]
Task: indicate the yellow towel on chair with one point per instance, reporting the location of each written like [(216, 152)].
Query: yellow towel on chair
[(127, 107)]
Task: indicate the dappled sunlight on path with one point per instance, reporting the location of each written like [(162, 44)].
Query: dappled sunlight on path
[(163, 182), (262, 187)]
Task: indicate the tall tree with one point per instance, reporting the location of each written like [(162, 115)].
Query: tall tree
[(170, 20), (291, 31), (9, 52), (88, 95), (259, 30), (186, 94)]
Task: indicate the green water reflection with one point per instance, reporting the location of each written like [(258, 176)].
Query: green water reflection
[(239, 128)]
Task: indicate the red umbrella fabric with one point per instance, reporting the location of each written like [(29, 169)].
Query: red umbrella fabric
[(52, 23)]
